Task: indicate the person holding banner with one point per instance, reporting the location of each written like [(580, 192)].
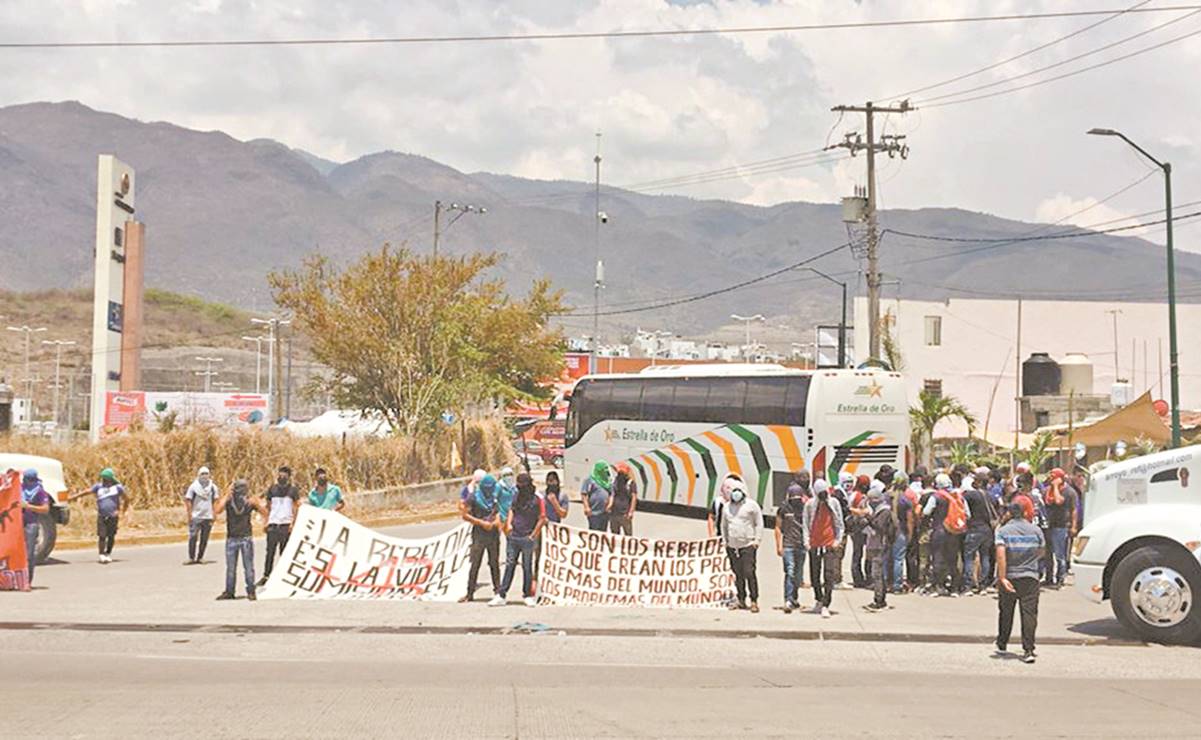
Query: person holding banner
[(596, 492), (522, 527), (326, 495), (282, 498), (742, 528), (480, 510), (623, 502), (34, 502), (823, 530), (112, 501)]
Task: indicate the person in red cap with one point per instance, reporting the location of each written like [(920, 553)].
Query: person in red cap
[(1061, 501), (623, 502)]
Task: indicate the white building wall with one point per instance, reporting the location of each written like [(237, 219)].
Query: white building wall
[(977, 353)]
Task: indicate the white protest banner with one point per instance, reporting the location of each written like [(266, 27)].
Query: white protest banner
[(331, 557), (597, 568)]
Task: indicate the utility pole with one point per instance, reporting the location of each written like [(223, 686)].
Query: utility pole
[(891, 145), (437, 224), (599, 280), (272, 325), (29, 332), (1117, 373), (463, 210), (58, 345), (1017, 394), (208, 373), (258, 360), (747, 321)]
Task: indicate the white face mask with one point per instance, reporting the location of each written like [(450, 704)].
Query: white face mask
[(737, 495)]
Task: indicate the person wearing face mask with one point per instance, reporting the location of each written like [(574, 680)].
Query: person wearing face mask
[(881, 530), (35, 502), (326, 495), (719, 502), (556, 502), (282, 498), (596, 493), (527, 517), (480, 511), (790, 543), (624, 501), (506, 491), (844, 494), (198, 503), (742, 528), (237, 504), (822, 528)]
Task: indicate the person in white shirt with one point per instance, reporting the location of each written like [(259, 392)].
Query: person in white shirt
[(198, 502), (742, 528), (282, 498)]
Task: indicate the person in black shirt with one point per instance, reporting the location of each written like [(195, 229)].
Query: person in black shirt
[(1060, 500), (623, 502), (282, 498), (978, 540), (790, 540), (238, 505)]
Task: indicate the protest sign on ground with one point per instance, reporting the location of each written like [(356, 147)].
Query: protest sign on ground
[(331, 557), (597, 568), (14, 571)]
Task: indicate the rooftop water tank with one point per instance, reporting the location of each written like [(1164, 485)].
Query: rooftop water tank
[(1076, 375), (1121, 393), (1040, 375)]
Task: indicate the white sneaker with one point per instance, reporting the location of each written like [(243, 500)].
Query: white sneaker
[(101, 560), (530, 601), (497, 601), (825, 612)]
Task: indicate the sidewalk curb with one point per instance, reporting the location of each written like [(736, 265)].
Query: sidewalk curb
[(419, 629)]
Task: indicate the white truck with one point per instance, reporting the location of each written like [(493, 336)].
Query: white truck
[(1140, 547)]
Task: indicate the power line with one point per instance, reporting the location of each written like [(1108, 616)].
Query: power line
[(740, 175), (1061, 63), (1065, 75), (1016, 57), (732, 168), (570, 36), (1043, 237)]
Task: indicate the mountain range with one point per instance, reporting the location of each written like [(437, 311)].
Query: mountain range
[(222, 213)]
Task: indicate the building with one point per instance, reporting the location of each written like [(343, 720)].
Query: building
[(968, 348)]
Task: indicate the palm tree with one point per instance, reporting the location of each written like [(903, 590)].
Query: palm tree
[(931, 409)]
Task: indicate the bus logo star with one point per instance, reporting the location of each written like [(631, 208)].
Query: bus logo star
[(874, 390), (610, 434)]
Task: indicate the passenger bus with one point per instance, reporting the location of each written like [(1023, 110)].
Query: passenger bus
[(682, 429)]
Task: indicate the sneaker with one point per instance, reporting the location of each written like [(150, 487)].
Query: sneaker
[(250, 596), (1028, 658), (788, 608), (497, 600), (467, 599), (825, 612), (754, 607), (101, 560), (262, 582), (106, 559), (817, 609), (530, 601), (1001, 647), (225, 597), (874, 607), (189, 562)]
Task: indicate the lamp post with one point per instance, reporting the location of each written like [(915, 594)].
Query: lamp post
[(272, 325), (842, 324), (208, 372), (258, 360), (1173, 357), (747, 321), (29, 332), (58, 345), (462, 210)]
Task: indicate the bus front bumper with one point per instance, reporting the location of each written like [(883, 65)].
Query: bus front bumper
[(1088, 580)]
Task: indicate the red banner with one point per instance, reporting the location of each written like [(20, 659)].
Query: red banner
[(14, 571)]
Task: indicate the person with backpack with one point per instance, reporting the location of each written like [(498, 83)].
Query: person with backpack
[(1020, 547), (596, 492), (880, 531), (198, 502), (623, 502), (822, 528), (948, 522), (978, 540), (1060, 499), (522, 526), (742, 529), (790, 542), (856, 526)]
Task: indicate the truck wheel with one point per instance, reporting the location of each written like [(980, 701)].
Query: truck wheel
[(46, 537), (1153, 592)]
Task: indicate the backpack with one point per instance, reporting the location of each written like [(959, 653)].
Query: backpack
[(955, 521)]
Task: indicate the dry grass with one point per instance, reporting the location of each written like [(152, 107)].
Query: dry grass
[(157, 468)]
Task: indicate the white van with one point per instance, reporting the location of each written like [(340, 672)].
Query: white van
[(1141, 544)]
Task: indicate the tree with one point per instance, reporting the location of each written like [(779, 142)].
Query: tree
[(931, 409), (1039, 451), (408, 337)]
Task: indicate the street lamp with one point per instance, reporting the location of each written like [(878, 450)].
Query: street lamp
[(258, 359), (747, 321), (1173, 363), (462, 210), (272, 325), (842, 325), (208, 372), (58, 345), (29, 332)]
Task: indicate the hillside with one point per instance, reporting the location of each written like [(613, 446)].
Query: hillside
[(222, 213)]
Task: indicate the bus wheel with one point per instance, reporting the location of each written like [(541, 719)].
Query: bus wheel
[(1153, 592), (46, 537)]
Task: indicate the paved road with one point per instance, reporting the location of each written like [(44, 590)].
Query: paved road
[(134, 685)]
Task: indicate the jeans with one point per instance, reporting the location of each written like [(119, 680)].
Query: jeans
[(742, 562), (598, 522), (1025, 594), (875, 559), (277, 538), (523, 548), (234, 547), (977, 546), (106, 533), (31, 546), (860, 571), (198, 537), (1059, 550), (794, 570), (824, 564), (946, 549), (900, 549), (622, 524), (484, 541)]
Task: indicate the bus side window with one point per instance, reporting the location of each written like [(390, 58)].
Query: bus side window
[(625, 401), (765, 401), (657, 400), (797, 400), (691, 399), (726, 399)]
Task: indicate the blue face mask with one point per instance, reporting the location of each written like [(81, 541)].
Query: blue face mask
[(737, 496)]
